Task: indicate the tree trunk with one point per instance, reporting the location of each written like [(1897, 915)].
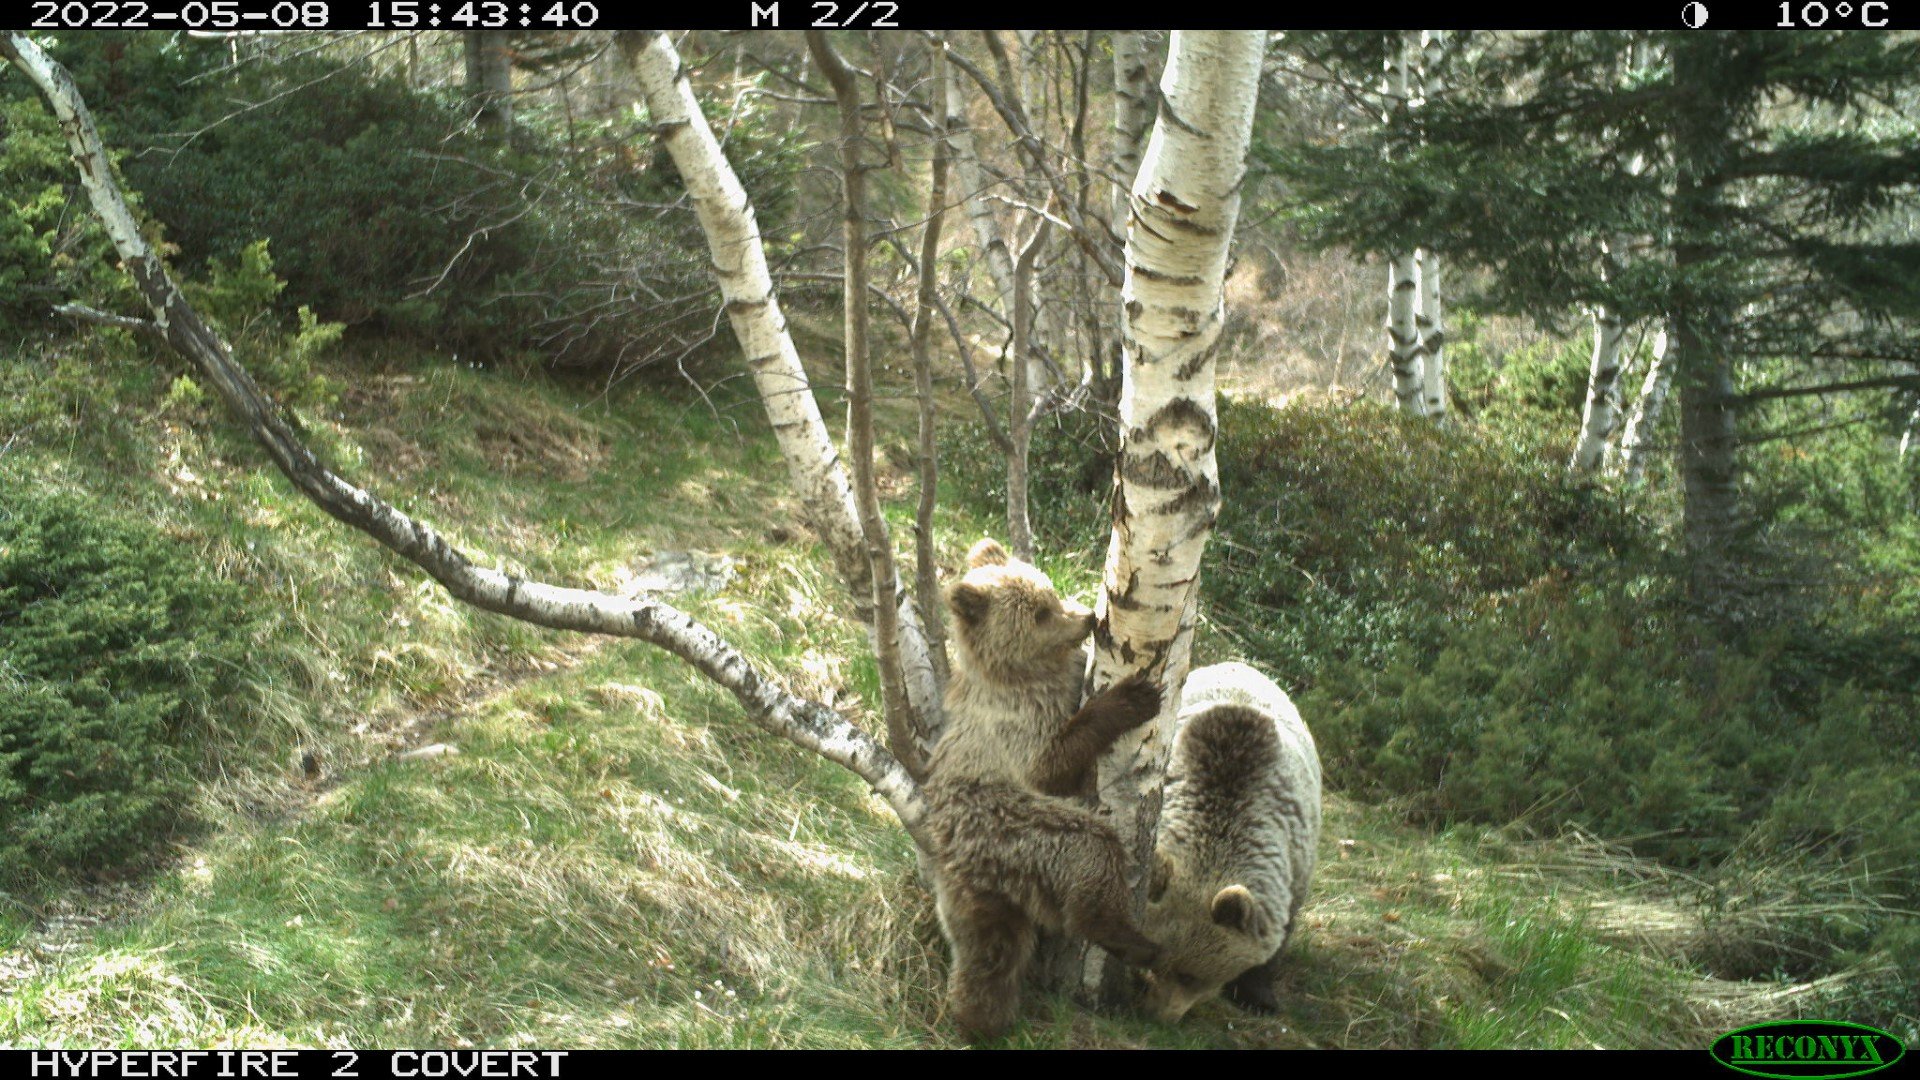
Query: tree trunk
[(1630, 455), (926, 563), (907, 732), (1186, 201), (1132, 112), (490, 81), (1602, 411), (1709, 464), (1020, 410), (969, 179), (1433, 338), (1432, 314), (753, 309), (1403, 271), (805, 723)]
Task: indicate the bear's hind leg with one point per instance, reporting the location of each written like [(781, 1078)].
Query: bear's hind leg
[(992, 941)]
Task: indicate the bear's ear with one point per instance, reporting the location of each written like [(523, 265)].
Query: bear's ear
[(1235, 909), (987, 552), (969, 603), (1162, 876)]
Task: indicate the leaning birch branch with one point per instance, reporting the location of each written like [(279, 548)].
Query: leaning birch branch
[(805, 723)]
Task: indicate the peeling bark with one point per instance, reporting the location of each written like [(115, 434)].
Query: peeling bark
[(805, 723), (1185, 202)]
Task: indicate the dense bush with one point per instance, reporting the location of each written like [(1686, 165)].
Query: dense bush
[(383, 209), (1478, 636), (114, 645)]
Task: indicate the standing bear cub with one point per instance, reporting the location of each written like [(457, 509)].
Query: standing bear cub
[(1011, 852), (1238, 836)]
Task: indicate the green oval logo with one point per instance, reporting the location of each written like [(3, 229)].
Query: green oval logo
[(1807, 1049)]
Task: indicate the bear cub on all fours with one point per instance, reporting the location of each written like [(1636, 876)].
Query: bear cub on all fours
[(1239, 831), (1011, 851)]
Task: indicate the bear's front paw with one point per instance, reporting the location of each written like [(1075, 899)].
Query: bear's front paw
[(1254, 993), (1136, 698)]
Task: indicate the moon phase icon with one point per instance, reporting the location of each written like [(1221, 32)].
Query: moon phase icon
[(1694, 15)]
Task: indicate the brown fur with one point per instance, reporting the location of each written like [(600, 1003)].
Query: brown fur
[(1010, 853)]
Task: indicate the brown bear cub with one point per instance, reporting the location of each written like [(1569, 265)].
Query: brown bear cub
[(1011, 852), (1238, 837)]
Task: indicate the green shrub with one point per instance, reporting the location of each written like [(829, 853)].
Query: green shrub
[(384, 210), (1355, 532), (115, 648)]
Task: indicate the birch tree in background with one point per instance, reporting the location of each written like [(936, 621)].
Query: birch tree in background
[(1403, 270), (1431, 317), (909, 734), (1628, 459), (1601, 414), (1185, 203)]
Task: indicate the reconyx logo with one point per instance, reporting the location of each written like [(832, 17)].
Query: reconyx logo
[(1807, 1049)]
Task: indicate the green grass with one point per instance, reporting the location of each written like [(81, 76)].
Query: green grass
[(615, 858)]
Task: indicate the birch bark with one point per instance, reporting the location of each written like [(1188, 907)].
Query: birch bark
[(1185, 203)]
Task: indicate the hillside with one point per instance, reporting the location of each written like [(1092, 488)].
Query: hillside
[(416, 824)]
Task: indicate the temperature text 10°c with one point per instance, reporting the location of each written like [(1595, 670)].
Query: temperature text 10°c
[(1812, 13)]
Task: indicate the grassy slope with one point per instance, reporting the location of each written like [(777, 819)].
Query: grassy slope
[(614, 858)]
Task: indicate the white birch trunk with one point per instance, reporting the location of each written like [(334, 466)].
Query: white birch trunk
[(1403, 333), (1602, 411), (1132, 93), (740, 263), (806, 723), (1432, 314), (1132, 113), (1433, 338), (1403, 271), (1630, 457), (970, 189), (1186, 201), (1906, 437)]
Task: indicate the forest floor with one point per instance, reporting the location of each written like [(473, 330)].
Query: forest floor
[(598, 851)]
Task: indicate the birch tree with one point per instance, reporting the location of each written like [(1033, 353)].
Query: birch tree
[(1431, 317), (1629, 454), (1601, 413), (1403, 268), (740, 263), (1185, 203)]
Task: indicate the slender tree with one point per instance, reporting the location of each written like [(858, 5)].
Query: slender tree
[(1186, 201), (753, 309)]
